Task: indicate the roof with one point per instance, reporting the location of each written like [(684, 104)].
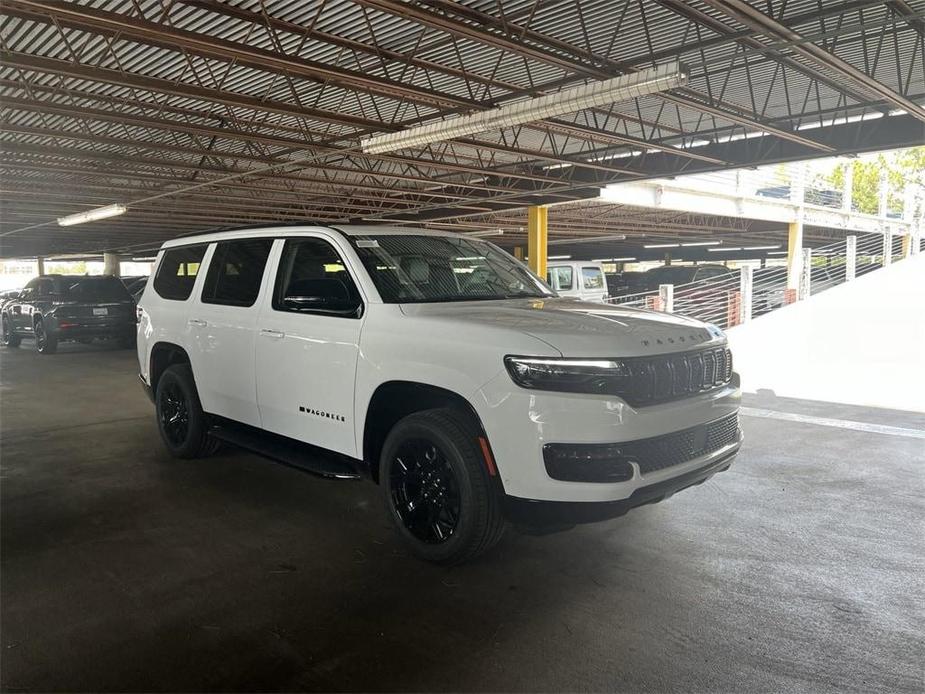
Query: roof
[(279, 230), (177, 109)]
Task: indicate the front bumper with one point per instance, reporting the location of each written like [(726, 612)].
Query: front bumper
[(520, 423), (536, 513)]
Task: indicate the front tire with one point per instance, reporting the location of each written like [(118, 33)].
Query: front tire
[(10, 339), (182, 423), (437, 488), (45, 343)]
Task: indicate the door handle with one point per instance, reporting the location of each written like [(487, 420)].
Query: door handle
[(275, 334), (197, 322)]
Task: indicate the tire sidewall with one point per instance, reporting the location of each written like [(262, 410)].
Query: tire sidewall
[(414, 428), (51, 342), (9, 338)]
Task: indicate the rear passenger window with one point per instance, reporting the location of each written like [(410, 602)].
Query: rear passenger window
[(559, 278), (235, 272), (593, 278), (177, 272)]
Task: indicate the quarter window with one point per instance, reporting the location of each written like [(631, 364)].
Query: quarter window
[(177, 272), (312, 278), (593, 277), (235, 272), (560, 278)]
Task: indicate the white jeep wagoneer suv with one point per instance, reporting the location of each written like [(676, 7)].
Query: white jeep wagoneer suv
[(437, 365)]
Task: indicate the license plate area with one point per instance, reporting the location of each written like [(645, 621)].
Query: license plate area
[(100, 311)]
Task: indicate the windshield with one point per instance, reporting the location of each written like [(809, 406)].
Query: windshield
[(414, 268), (92, 289)]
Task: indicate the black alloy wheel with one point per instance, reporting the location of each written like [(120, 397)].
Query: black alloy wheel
[(44, 343), (442, 496), (9, 339), (173, 413), (424, 490), (183, 425)]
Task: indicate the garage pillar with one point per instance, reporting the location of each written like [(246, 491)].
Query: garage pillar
[(794, 254), (519, 252), (807, 274), (112, 264), (537, 239), (887, 245), (746, 282), (907, 246), (40, 265)]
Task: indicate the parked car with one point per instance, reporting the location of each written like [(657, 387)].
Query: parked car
[(824, 197), (582, 279), (684, 274), (438, 366), (623, 283), (136, 286), (55, 308), (9, 295)]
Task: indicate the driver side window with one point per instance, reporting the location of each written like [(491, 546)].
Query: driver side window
[(312, 278)]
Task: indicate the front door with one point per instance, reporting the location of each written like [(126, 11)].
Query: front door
[(308, 345), (223, 327)]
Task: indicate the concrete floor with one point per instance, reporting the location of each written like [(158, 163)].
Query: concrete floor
[(799, 569)]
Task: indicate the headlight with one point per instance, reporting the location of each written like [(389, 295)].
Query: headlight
[(597, 376)]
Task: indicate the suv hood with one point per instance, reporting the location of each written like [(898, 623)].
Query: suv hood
[(576, 328)]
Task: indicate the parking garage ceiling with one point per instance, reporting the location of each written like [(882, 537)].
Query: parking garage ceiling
[(118, 101)]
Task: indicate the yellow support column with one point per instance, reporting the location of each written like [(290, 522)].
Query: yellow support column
[(519, 252), (537, 239), (794, 254), (907, 245)]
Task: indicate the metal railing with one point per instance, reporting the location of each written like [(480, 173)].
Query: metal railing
[(754, 292)]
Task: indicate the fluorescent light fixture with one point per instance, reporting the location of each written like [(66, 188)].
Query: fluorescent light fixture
[(92, 215), (622, 88), (701, 243), (662, 245), (613, 260), (587, 239), (489, 232), (777, 253), (559, 257), (725, 250), (761, 248)]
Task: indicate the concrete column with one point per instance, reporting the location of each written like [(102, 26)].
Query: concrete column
[(806, 275), (537, 238), (851, 257), (667, 259), (112, 264), (745, 293), (666, 295), (883, 202), (907, 246), (40, 265), (887, 245), (848, 188), (794, 254)]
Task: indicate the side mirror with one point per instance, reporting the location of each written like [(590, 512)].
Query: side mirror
[(334, 306)]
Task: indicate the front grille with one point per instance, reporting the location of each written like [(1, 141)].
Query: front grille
[(669, 377), (610, 462), (660, 452)]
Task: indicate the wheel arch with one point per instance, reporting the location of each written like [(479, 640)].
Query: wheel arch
[(164, 355), (394, 400)]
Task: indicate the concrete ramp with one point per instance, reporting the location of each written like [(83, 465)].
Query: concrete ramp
[(860, 343)]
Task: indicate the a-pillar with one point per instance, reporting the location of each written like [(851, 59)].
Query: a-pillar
[(794, 254), (537, 240), (40, 265), (112, 264)]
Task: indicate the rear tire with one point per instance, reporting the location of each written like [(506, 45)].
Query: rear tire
[(182, 423), (10, 339), (437, 488), (45, 343)]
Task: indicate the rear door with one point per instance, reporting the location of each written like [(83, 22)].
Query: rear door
[(222, 327), (308, 345)]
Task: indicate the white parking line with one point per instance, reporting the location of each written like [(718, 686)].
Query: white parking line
[(828, 422)]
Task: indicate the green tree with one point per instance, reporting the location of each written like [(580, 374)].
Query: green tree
[(903, 168)]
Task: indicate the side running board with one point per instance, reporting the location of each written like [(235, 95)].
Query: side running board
[(290, 452)]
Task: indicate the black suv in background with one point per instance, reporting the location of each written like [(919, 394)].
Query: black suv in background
[(55, 308)]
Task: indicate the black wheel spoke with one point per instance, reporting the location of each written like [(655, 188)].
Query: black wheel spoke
[(425, 492)]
